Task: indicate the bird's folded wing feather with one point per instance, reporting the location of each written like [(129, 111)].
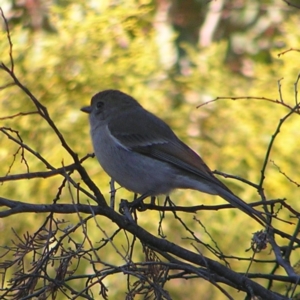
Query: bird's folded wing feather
[(150, 136)]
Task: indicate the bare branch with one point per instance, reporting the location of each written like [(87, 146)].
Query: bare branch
[(279, 102), (19, 114), (9, 41)]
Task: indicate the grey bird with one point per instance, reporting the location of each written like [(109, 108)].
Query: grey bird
[(142, 153)]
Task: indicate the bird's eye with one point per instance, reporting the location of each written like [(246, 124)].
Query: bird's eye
[(99, 105)]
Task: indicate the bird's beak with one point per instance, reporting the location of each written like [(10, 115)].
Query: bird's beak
[(86, 109)]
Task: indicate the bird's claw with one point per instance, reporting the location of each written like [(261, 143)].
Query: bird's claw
[(124, 209)]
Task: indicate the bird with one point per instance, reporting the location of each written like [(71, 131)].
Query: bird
[(142, 153)]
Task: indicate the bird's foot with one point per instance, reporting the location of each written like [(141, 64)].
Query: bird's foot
[(124, 209), (135, 204)]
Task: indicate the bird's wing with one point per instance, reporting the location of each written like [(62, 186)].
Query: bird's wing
[(151, 136)]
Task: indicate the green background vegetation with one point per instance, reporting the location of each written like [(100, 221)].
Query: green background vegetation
[(80, 49)]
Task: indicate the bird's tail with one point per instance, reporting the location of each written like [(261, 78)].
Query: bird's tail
[(243, 206)]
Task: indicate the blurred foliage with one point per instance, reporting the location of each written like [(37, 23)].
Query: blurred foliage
[(96, 45)]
